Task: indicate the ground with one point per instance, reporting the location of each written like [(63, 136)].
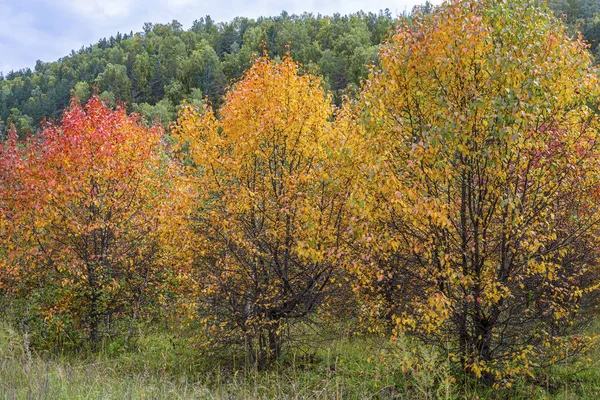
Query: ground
[(343, 368)]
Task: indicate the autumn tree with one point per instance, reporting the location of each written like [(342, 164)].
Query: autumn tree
[(479, 213), (270, 212), (89, 209)]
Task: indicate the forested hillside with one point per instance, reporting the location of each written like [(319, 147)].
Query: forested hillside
[(580, 16), (153, 70)]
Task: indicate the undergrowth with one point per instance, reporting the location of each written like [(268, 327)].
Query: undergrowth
[(158, 367)]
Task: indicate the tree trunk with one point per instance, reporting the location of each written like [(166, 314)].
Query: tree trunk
[(94, 313), (274, 341), (482, 342)]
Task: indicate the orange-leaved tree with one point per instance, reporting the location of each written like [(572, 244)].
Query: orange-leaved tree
[(480, 212), (90, 207), (271, 212)]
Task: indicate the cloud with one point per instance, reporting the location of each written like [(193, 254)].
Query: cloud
[(25, 39), (180, 3), (100, 9)]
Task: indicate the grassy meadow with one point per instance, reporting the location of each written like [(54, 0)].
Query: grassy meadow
[(159, 367)]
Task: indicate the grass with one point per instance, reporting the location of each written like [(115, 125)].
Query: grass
[(365, 368)]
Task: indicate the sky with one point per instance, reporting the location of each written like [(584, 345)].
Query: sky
[(46, 30)]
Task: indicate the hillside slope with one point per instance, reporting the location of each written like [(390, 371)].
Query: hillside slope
[(153, 70)]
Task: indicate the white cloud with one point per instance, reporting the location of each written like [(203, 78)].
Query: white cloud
[(15, 26), (181, 3), (22, 43), (99, 9)]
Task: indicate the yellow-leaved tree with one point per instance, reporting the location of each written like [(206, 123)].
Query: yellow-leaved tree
[(270, 213), (480, 209)]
